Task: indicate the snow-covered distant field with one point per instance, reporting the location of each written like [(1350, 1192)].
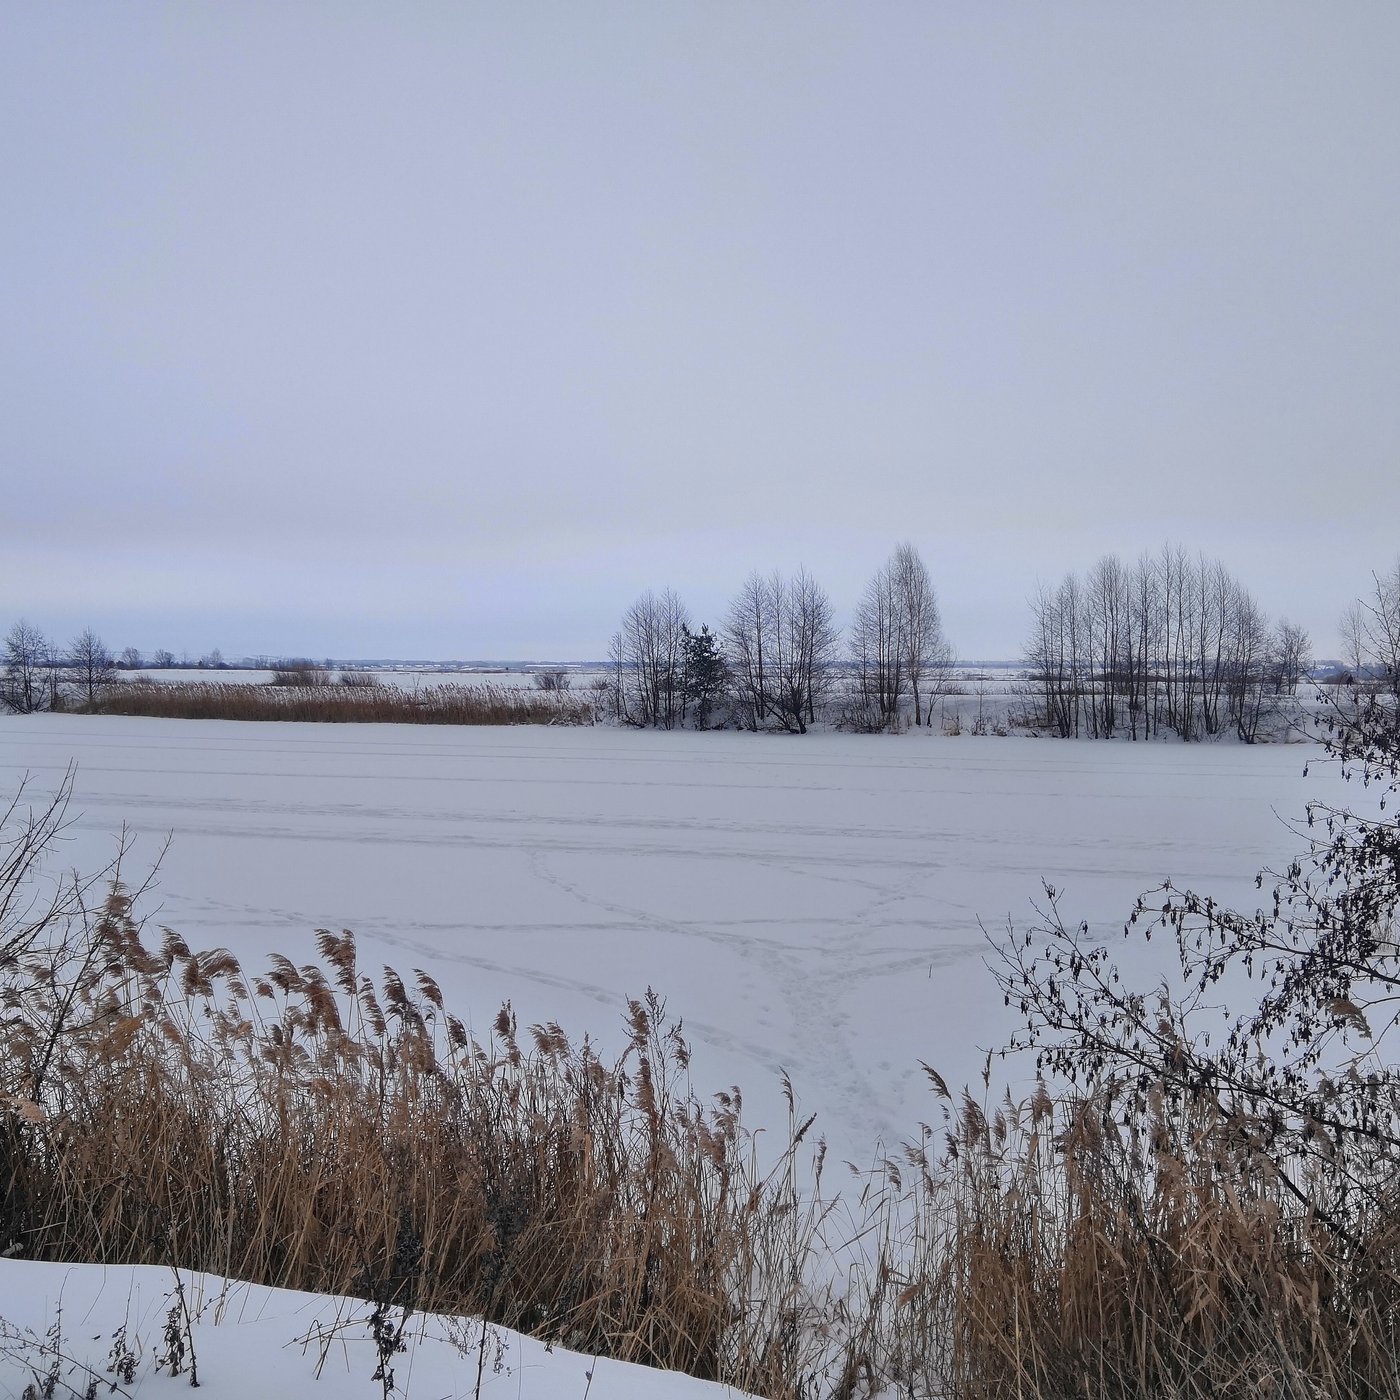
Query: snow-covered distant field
[(405, 677), (811, 904), (977, 698), (973, 688)]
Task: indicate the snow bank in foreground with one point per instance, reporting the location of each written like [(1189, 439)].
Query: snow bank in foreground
[(276, 1344)]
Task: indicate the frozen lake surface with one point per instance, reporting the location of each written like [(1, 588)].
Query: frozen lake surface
[(811, 904)]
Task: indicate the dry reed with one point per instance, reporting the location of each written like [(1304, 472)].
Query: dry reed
[(316, 1128), (1054, 1252), (347, 703)]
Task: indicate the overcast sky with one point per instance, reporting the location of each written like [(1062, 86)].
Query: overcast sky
[(446, 330)]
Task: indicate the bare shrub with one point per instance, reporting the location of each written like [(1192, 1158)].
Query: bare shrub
[(298, 670), (552, 680), (860, 714), (1231, 1172)]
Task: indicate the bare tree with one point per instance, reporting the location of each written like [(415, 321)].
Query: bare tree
[(1246, 661), (1371, 632), (748, 646), (619, 679), (1179, 640), (1106, 636), (897, 646), (800, 650), (29, 669), (879, 653), (1142, 645), (927, 654), (784, 676), (1174, 641), (1050, 656), (90, 664), (1292, 657), (818, 639), (648, 657), (130, 659), (780, 645)]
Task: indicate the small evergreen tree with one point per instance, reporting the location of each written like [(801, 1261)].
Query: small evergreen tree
[(706, 676)]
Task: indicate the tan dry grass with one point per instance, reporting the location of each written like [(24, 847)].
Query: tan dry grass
[(316, 1128), (347, 703), (1054, 1253)]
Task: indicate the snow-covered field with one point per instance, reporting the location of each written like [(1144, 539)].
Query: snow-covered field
[(275, 1344), (811, 904), (518, 677)]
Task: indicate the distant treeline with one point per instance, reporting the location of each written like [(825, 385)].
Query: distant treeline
[(37, 676), (1176, 643), (40, 674), (778, 659), (1172, 644)]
